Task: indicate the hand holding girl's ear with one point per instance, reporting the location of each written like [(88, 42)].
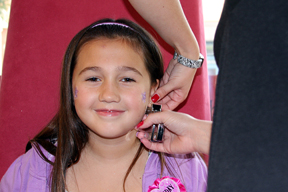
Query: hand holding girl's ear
[(183, 133), (174, 86)]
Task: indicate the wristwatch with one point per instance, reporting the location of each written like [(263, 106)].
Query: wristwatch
[(189, 62)]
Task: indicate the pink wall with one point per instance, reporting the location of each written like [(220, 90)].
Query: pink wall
[(38, 34)]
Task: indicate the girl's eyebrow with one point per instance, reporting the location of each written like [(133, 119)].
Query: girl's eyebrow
[(126, 68), (122, 68), (94, 68)]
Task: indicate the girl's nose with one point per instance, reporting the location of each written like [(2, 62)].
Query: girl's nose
[(109, 93)]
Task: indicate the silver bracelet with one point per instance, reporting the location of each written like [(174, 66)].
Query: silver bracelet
[(189, 62)]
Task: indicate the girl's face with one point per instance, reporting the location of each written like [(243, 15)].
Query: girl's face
[(111, 87)]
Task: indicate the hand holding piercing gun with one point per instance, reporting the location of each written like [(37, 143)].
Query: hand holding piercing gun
[(157, 129)]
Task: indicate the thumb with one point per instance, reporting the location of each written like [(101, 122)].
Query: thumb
[(162, 92)]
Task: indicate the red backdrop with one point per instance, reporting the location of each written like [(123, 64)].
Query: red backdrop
[(38, 34)]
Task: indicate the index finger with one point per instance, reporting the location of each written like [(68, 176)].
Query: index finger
[(152, 118)]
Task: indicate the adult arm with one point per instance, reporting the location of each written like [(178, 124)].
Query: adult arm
[(183, 133), (168, 19)]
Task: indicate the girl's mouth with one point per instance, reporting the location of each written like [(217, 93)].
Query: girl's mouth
[(109, 112)]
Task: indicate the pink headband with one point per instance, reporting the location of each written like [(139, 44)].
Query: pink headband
[(113, 23)]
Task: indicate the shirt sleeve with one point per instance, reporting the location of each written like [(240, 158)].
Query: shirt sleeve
[(27, 173), (12, 178)]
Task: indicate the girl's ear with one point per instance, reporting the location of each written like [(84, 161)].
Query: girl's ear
[(154, 87)]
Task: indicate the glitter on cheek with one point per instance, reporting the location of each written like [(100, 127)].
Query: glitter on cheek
[(76, 93), (144, 96)]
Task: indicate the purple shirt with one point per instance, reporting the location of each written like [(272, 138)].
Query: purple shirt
[(30, 172)]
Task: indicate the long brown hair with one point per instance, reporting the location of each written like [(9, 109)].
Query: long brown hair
[(66, 128)]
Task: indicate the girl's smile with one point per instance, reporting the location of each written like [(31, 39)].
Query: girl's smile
[(109, 112)]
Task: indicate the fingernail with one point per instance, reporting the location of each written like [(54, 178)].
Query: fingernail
[(144, 136), (139, 124), (155, 98), (137, 133)]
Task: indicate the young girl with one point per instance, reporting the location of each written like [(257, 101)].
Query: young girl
[(110, 70)]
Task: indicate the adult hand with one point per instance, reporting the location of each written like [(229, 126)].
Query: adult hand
[(183, 134), (174, 86)]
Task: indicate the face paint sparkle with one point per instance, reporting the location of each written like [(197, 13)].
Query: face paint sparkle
[(76, 93), (144, 97)]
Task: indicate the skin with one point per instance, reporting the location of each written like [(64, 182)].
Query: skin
[(110, 77)]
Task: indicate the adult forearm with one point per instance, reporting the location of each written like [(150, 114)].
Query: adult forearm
[(168, 19), (203, 137)]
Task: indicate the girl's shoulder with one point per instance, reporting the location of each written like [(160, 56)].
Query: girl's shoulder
[(191, 160), (29, 172)]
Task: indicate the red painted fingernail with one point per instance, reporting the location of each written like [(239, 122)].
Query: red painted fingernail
[(139, 124), (155, 98)]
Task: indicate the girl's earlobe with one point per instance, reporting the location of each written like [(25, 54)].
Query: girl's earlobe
[(154, 88), (148, 108), (157, 84)]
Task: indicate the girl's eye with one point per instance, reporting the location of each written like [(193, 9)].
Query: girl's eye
[(127, 80), (93, 79)]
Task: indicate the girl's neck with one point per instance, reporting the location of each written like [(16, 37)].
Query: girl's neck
[(111, 150), (107, 162)]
